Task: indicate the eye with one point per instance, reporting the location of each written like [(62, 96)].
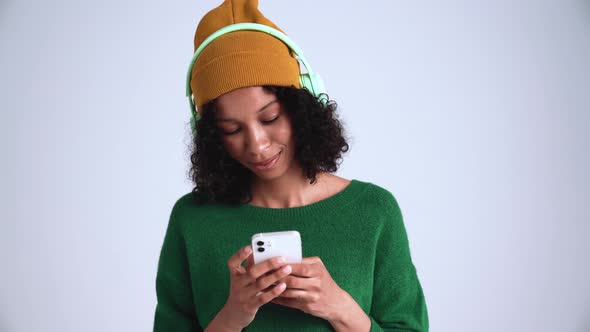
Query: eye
[(230, 133), (269, 121), (237, 130)]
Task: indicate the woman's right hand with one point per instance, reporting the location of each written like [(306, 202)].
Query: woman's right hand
[(246, 282)]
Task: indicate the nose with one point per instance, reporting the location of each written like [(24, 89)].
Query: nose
[(257, 142)]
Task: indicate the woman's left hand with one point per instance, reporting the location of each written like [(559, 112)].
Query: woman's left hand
[(310, 288)]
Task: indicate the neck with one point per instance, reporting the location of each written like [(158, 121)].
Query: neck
[(289, 190)]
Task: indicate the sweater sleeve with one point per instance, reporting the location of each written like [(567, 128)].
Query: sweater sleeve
[(175, 309), (398, 300)]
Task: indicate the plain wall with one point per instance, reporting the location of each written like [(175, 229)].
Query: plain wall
[(474, 114)]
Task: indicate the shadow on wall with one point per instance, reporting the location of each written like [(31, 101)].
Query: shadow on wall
[(3, 326), (585, 5), (3, 9), (585, 324)]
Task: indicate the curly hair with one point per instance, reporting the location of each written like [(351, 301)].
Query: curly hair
[(319, 144)]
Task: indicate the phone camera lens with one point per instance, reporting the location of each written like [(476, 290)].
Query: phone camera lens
[(260, 243), (260, 249)]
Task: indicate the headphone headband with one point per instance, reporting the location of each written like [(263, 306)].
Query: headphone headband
[(309, 80)]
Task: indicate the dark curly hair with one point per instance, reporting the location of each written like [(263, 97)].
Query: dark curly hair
[(319, 144)]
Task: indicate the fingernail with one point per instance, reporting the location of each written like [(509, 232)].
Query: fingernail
[(287, 269), (248, 250), (281, 259)]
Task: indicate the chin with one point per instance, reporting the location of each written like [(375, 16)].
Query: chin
[(268, 175), (275, 174)]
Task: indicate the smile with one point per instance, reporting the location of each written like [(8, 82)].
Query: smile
[(269, 164)]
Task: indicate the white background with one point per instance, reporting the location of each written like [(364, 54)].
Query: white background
[(474, 114)]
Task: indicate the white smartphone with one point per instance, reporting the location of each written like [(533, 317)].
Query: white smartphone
[(268, 245)]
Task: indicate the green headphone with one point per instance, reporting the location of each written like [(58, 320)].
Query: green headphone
[(311, 81)]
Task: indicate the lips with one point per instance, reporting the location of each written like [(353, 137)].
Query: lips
[(266, 161)]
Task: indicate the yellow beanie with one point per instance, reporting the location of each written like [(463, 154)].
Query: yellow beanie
[(241, 58)]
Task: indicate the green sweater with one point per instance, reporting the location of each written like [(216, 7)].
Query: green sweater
[(358, 233)]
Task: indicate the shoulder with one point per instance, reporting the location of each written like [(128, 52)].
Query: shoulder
[(182, 203), (188, 204), (336, 183), (383, 205), (186, 209), (389, 220), (378, 195), (371, 197), (374, 194)]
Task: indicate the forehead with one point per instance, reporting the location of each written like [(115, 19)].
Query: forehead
[(243, 102)]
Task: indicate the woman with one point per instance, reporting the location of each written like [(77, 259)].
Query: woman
[(264, 151)]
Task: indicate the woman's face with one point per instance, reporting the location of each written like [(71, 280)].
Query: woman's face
[(255, 128)]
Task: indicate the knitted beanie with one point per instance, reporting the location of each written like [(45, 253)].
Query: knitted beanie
[(240, 58)]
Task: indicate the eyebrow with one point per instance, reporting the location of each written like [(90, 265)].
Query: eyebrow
[(260, 110)]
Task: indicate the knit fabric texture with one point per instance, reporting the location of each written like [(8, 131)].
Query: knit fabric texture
[(358, 233), (241, 58)]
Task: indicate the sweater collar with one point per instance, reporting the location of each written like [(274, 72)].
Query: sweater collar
[(332, 203)]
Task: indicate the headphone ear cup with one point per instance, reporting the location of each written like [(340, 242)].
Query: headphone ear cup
[(315, 84), (318, 84), (306, 82), (194, 118), (319, 88)]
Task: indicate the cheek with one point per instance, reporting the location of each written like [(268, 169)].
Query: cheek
[(283, 136), (284, 132), (232, 146)]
